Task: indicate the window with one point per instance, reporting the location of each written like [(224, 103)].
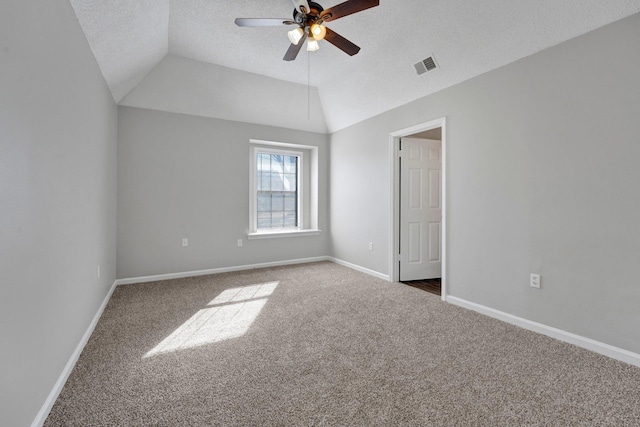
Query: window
[(278, 205), (283, 190)]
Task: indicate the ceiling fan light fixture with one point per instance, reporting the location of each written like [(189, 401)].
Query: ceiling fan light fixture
[(312, 45), (295, 35), (318, 31)]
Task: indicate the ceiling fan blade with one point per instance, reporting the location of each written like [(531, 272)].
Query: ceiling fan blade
[(262, 22), (298, 3), (293, 50), (347, 8), (341, 43)]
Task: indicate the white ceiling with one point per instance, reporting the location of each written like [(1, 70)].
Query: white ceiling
[(130, 38)]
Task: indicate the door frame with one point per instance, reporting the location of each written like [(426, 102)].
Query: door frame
[(394, 222)]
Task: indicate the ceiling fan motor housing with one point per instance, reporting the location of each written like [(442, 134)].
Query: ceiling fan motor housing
[(311, 17)]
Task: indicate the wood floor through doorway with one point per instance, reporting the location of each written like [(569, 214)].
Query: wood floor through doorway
[(432, 286)]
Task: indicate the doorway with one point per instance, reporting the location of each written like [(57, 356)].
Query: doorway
[(420, 165), (418, 200)]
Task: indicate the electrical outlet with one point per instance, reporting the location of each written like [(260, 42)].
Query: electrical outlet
[(185, 242), (239, 243), (534, 280), (370, 246)]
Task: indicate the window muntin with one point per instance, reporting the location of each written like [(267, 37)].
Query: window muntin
[(277, 193)]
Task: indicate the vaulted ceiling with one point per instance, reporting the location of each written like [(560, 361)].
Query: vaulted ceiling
[(188, 56)]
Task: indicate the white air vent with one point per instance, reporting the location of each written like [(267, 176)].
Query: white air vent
[(426, 65)]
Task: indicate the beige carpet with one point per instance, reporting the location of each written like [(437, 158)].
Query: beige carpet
[(320, 344)]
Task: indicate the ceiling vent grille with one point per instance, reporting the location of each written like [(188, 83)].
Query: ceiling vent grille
[(425, 65)]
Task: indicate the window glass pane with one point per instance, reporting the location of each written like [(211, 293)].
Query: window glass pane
[(290, 164), (277, 219), (264, 219), (276, 182), (277, 163), (277, 202), (290, 219), (264, 181), (290, 182), (264, 162), (290, 202), (264, 202), (277, 192)]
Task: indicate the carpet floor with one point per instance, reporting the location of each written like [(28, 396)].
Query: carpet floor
[(321, 344)]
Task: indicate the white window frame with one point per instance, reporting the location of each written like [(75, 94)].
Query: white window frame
[(299, 187), (258, 146)]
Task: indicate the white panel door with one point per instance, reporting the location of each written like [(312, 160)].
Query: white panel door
[(420, 209)]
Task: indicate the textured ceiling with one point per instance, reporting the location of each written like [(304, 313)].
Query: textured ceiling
[(131, 37)]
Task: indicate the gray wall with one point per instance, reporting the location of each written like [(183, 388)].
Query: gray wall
[(187, 176), (58, 129), (543, 177)]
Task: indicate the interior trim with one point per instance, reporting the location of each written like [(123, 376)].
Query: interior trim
[(361, 269), (169, 276), (568, 337), (394, 199), (44, 411)]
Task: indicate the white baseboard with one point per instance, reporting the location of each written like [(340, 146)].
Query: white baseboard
[(62, 379), (586, 343), (155, 278), (169, 276), (360, 269)]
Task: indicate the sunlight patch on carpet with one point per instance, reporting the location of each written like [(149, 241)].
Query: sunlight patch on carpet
[(229, 315), (244, 293)]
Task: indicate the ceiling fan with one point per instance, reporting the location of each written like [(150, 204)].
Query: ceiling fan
[(308, 17)]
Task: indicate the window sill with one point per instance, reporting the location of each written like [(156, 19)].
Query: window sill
[(281, 233)]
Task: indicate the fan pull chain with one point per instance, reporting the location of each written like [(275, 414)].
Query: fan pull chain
[(308, 85)]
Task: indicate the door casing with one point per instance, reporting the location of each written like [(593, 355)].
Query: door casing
[(394, 222)]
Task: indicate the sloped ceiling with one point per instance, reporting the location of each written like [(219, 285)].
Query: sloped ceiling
[(174, 54), (128, 38)]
